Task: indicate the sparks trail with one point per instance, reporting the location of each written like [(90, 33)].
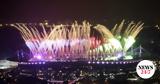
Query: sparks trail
[(50, 42)]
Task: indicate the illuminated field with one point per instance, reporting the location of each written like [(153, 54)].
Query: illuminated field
[(49, 42)]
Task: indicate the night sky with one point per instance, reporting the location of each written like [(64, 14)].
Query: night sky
[(106, 12)]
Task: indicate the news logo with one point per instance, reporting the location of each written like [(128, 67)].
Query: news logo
[(145, 69)]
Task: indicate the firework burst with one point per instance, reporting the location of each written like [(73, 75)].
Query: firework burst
[(116, 40), (51, 42)]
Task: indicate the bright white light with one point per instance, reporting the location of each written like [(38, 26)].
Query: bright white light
[(119, 55), (50, 57), (89, 62), (102, 62), (38, 57), (97, 62)]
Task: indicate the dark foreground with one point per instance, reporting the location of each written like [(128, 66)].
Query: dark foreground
[(75, 73)]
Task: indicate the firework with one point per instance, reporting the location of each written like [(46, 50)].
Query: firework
[(49, 42), (116, 40)]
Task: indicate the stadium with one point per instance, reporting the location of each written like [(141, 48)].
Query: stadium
[(74, 52)]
